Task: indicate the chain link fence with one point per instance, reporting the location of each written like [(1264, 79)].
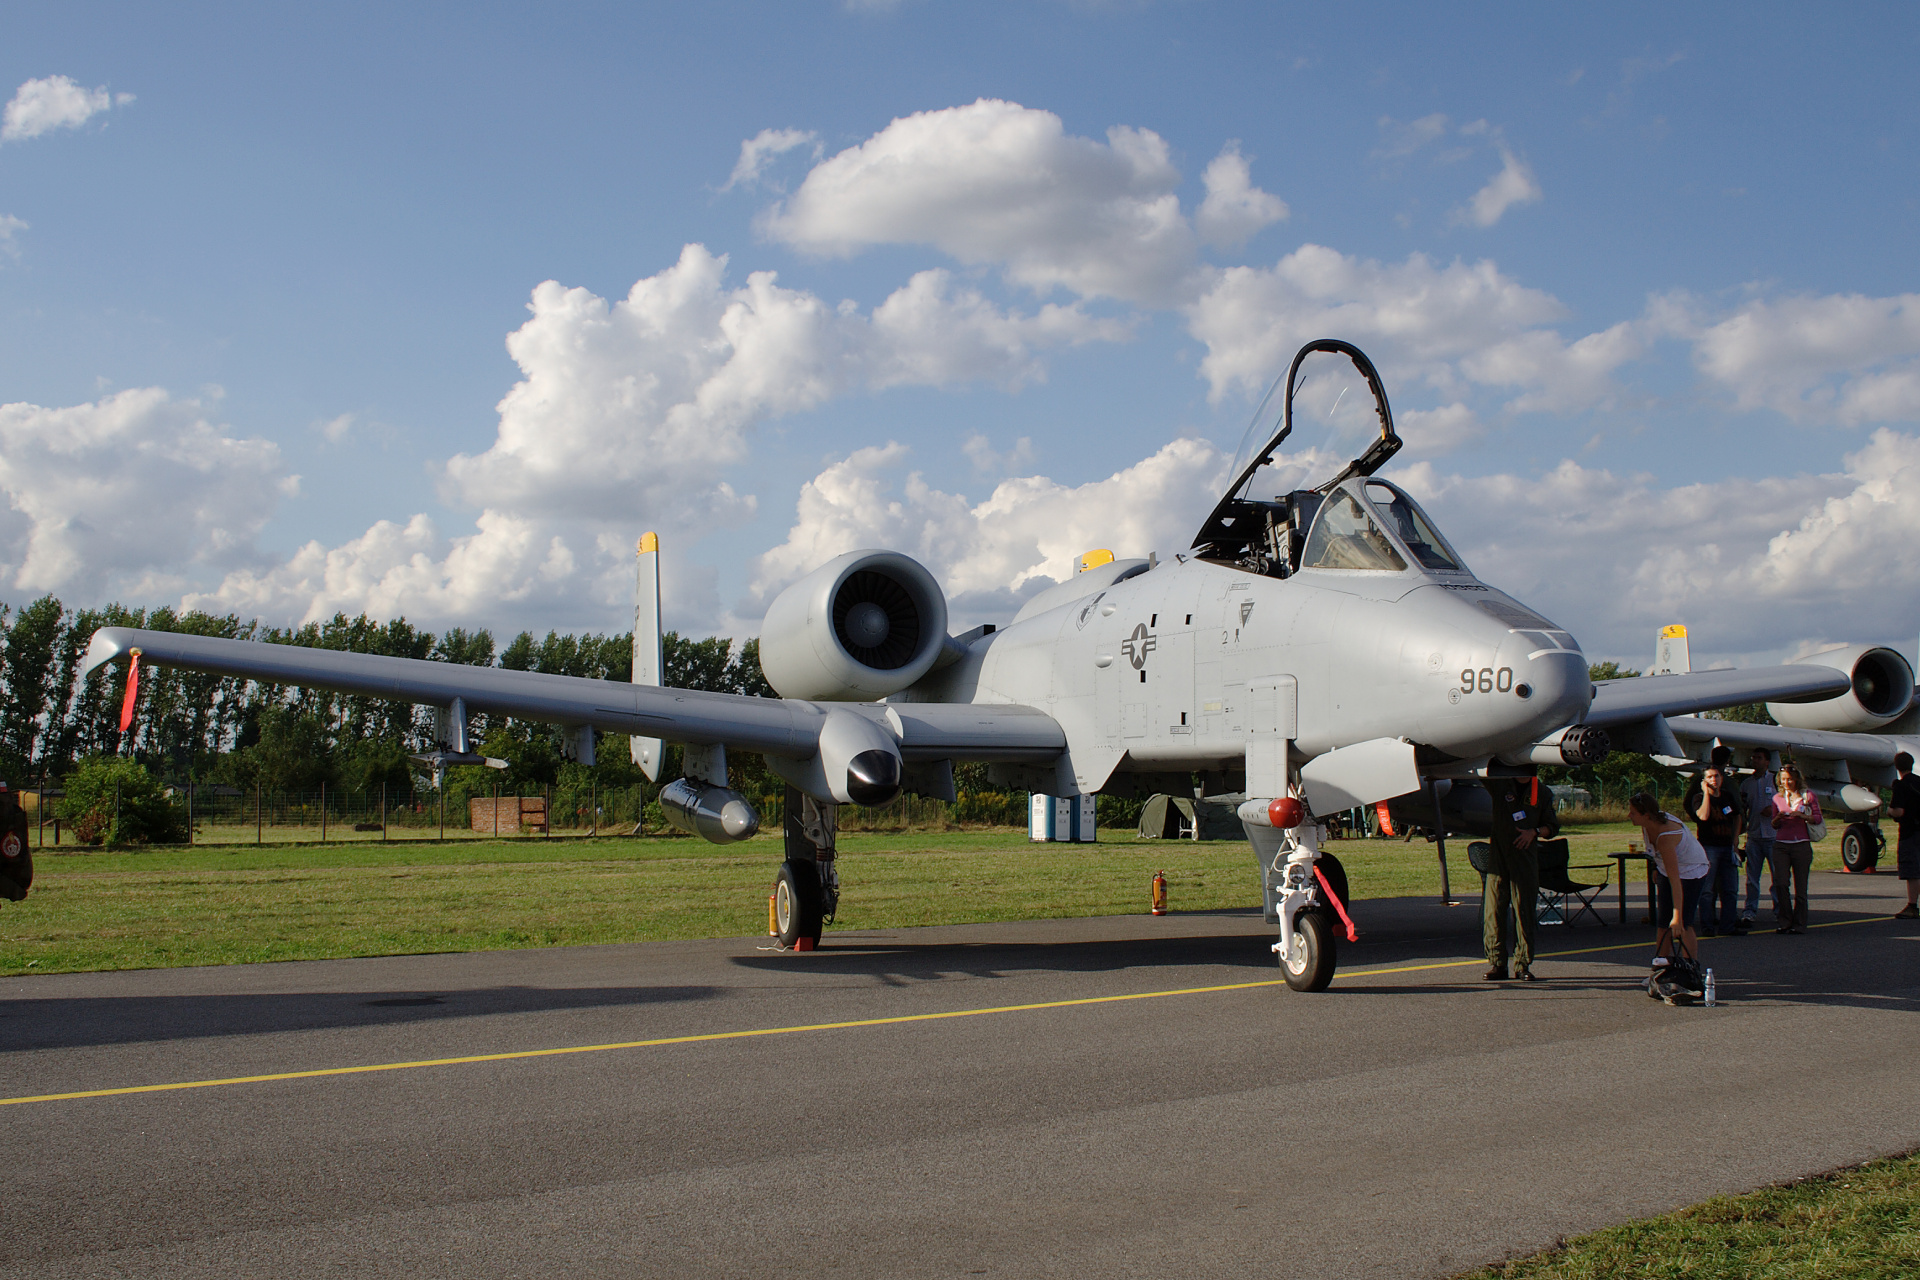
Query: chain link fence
[(222, 815)]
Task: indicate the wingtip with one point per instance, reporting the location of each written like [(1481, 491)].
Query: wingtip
[(106, 645)]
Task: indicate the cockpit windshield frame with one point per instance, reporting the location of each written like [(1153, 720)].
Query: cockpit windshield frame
[(1408, 524)]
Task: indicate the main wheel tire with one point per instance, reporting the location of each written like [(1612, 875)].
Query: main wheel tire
[(796, 903), (1336, 875), (1310, 966), (1858, 849)]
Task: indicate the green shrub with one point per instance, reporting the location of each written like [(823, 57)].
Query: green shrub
[(115, 799)]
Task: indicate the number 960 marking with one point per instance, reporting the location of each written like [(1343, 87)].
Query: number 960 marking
[(1486, 680)]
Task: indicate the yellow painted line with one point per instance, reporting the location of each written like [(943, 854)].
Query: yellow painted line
[(520, 1054)]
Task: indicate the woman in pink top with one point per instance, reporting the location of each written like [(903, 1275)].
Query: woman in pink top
[(1793, 808)]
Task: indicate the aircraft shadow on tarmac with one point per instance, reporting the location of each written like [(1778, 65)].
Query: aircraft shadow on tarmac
[(1392, 931), (898, 963), (73, 1022)]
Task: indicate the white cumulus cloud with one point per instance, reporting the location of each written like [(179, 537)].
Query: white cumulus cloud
[(55, 102), (508, 563), (1416, 313), (1234, 208), (1756, 566), (996, 183), (134, 487), (761, 149), (1846, 358), (1514, 184), (990, 554), (639, 404)]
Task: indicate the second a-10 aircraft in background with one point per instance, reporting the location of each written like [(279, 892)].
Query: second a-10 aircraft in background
[(1315, 649)]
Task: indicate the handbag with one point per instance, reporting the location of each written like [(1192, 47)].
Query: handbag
[(1817, 825), (1680, 981)]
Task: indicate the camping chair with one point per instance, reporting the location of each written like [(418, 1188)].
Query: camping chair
[(1561, 896)]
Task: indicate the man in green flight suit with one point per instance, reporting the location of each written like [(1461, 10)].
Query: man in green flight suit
[(1522, 813)]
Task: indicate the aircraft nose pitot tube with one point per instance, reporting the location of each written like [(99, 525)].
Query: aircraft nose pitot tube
[(860, 627), (717, 814)]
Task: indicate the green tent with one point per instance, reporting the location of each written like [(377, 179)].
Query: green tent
[(1172, 818)]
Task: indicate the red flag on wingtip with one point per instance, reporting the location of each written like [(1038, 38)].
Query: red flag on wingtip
[(133, 690)]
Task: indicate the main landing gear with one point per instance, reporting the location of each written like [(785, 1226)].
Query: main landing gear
[(1861, 845), (807, 891)]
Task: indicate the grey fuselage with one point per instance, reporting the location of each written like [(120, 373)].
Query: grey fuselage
[(1148, 669)]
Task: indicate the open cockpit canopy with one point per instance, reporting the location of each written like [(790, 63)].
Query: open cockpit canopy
[(1267, 524)]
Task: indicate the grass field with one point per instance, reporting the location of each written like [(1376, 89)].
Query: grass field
[(239, 904), (1857, 1224)]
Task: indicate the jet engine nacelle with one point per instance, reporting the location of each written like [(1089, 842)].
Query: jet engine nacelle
[(1882, 689), (860, 627)]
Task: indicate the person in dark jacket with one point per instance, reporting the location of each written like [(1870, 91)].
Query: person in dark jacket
[(16, 858), (1714, 807), (1522, 813)]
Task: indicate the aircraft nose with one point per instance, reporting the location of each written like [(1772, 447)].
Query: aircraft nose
[(1552, 685)]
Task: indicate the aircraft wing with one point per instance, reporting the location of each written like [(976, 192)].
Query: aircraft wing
[(1636, 698), (784, 727)]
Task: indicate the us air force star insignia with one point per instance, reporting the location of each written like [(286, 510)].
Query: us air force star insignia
[(1138, 645)]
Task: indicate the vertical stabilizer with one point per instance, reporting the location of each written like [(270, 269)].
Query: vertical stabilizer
[(1670, 656), (648, 663)]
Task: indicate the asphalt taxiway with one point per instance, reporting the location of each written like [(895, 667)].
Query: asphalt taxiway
[(1119, 1096)]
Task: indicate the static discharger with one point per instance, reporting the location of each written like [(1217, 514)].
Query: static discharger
[(1159, 893), (1093, 560)]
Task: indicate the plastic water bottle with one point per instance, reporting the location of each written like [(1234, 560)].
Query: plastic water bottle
[(1710, 1000)]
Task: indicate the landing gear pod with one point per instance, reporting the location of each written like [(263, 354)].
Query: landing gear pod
[(712, 813)]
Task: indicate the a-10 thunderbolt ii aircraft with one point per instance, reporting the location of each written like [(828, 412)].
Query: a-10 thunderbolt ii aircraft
[(1315, 649)]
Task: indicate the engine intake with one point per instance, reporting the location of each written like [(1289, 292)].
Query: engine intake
[(1882, 690), (860, 627)]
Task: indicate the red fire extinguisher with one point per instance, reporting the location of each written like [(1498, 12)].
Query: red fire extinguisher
[(1159, 893)]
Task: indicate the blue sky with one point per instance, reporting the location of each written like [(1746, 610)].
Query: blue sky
[(1638, 279)]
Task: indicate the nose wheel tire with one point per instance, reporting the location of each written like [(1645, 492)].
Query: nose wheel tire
[(797, 910), (1309, 965)]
